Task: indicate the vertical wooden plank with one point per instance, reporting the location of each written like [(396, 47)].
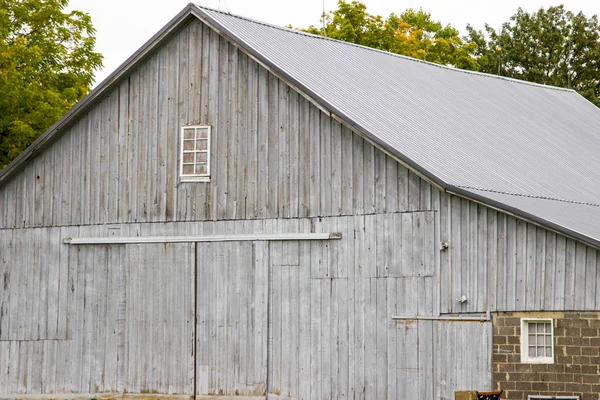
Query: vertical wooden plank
[(304, 150), (245, 134), (263, 142), (283, 180), (252, 151), (314, 159), (325, 166), (579, 276), (304, 328), (484, 270), (560, 271), (370, 339), (380, 163), (336, 167), (274, 148), (114, 160), (347, 169), (498, 258), (520, 277), (530, 277), (425, 195), (368, 172), (413, 191), (382, 320), (591, 274), (122, 178), (315, 338), (570, 271), (358, 175), (233, 134)]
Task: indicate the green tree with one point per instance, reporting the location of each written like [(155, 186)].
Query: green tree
[(412, 33), (551, 46), (47, 64)]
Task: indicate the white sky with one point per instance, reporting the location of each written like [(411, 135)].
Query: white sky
[(124, 25)]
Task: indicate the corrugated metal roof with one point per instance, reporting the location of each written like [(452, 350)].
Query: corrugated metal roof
[(473, 132)]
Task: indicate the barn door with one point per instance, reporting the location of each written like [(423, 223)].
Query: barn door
[(231, 318)]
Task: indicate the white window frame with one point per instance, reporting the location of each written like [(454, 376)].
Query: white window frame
[(195, 177), (525, 358)]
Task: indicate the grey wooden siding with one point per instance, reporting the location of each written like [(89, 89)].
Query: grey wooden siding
[(463, 355), (275, 155), (502, 263), (93, 318), (232, 297), (127, 312)]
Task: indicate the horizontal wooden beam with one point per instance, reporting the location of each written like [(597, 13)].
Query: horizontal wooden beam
[(482, 318), (214, 238)]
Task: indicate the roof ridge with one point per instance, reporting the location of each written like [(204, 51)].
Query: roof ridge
[(530, 196), (464, 71)]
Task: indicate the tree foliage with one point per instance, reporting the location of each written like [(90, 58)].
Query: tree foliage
[(413, 33), (47, 64), (551, 46)]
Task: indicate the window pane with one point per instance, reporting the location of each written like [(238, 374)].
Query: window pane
[(546, 327), (201, 169), (201, 157), (188, 170), (532, 352), (548, 340), (188, 158), (188, 144), (548, 351), (202, 133), (201, 144), (188, 133), (531, 328), (532, 340)]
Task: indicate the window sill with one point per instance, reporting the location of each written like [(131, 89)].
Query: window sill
[(191, 179), (546, 360)]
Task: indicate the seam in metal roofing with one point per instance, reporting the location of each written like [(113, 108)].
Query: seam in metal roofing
[(526, 148)]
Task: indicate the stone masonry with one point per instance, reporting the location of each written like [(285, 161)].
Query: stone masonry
[(576, 368)]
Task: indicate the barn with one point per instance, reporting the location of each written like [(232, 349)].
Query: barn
[(247, 211)]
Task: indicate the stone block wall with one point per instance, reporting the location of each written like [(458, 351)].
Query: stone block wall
[(576, 368)]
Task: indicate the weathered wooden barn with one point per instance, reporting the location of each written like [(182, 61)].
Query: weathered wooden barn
[(243, 210)]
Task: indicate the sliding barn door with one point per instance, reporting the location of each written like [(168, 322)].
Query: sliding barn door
[(231, 330), (157, 319)]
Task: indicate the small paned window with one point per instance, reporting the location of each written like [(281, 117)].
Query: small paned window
[(537, 341), (195, 153)]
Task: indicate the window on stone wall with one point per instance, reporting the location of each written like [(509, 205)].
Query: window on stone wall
[(195, 153), (537, 341)]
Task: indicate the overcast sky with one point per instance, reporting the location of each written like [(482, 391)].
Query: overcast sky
[(124, 25)]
